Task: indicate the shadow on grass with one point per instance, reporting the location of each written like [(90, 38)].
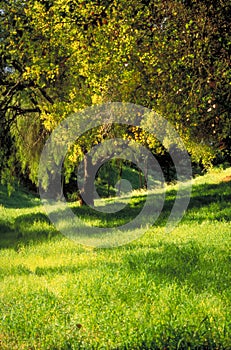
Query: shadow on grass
[(18, 199), (21, 269), (128, 213), (187, 264), (7, 234), (208, 202), (201, 268), (27, 228)]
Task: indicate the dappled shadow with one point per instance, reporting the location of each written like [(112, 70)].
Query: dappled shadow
[(27, 228), (190, 263), (18, 199), (211, 192), (203, 197), (208, 202), (55, 270), (30, 219), (7, 234), (128, 213), (180, 339)]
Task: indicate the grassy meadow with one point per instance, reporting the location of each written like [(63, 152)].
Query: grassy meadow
[(161, 291)]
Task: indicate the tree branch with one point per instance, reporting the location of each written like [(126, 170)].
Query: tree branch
[(45, 95)]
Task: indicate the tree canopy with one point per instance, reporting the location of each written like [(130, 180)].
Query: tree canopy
[(58, 57)]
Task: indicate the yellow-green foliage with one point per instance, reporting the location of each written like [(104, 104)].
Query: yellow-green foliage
[(65, 55)]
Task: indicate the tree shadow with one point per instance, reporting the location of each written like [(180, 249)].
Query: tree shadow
[(203, 197), (39, 271), (26, 229), (7, 234), (18, 199), (110, 219), (208, 202), (188, 262)]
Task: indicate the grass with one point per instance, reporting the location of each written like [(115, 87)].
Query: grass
[(161, 291)]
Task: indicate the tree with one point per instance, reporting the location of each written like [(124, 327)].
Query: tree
[(57, 57), (191, 80)]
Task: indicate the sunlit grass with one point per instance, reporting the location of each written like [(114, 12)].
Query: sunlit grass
[(160, 291)]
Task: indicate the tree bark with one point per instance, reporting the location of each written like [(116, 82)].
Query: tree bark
[(120, 165), (87, 190)]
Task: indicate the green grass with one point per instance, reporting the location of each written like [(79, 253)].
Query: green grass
[(162, 291)]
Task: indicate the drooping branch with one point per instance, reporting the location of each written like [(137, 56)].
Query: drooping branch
[(45, 95)]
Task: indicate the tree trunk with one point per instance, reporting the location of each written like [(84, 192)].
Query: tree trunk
[(145, 185), (140, 179), (120, 165), (55, 187), (87, 190)]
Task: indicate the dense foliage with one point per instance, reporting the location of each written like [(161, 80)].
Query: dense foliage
[(60, 56)]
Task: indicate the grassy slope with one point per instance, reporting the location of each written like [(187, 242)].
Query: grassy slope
[(163, 290)]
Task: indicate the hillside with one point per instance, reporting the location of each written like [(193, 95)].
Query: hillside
[(160, 291)]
